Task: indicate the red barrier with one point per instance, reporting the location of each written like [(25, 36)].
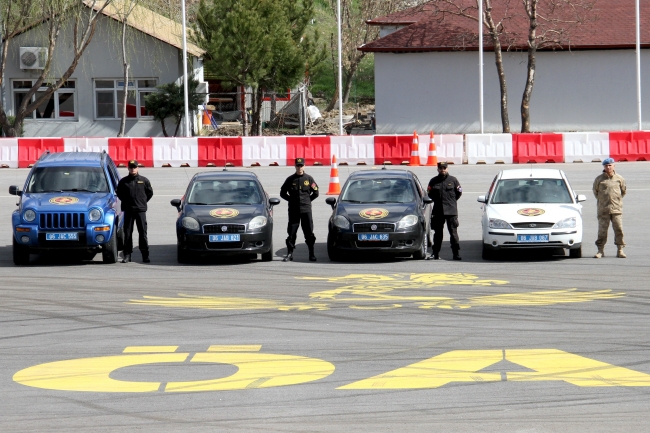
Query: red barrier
[(315, 150), (220, 151), (30, 149), (393, 149), (123, 149), (629, 146), (537, 148)]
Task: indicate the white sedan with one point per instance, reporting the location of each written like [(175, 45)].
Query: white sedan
[(531, 208)]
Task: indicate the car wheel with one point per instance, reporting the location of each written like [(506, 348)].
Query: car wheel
[(21, 254), (488, 253), (109, 253), (182, 256), (268, 256), (422, 253), (575, 253), (332, 252)]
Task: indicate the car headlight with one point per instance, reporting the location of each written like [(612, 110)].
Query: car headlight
[(257, 222), (190, 223), (567, 223), (407, 221), (341, 222), (498, 224), (95, 215), (29, 215)]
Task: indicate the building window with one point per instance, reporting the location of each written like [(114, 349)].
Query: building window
[(109, 95), (59, 105)]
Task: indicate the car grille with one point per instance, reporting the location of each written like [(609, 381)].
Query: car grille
[(62, 220), (218, 228), (532, 225), (374, 244), (380, 227), (224, 245)]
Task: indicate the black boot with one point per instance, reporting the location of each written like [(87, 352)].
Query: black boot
[(312, 257), (127, 258), (288, 257), (145, 257), (456, 255)]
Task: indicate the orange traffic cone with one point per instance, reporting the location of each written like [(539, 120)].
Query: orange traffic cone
[(335, 185), (415, 151), (206, 118), (433, 153)]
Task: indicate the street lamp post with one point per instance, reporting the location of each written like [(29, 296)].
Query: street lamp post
[(638, 64), (340, 78), (188, 133)]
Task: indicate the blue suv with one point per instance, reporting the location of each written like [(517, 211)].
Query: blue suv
[(69, 202)]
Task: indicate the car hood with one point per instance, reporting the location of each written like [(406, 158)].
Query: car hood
[(77, 201), (552, 212), (230, 214), (396, 211)]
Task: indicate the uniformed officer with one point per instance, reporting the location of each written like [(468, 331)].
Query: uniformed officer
[(135, 191), (445, 191), (609, 189), (300, 189)]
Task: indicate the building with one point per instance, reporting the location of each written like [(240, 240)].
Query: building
[(427, 73)]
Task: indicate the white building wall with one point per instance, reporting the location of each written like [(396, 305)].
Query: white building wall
[(574, 91)]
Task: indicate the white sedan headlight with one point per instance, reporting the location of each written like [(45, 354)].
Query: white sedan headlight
[(190, 223), (95, 215), (341, 222), (29, 215), (567, 223), (257, 222), (498, 224), (407, 221)]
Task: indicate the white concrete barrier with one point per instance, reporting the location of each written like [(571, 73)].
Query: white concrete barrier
[(175, 152), (264, 151), (353, 149), (9, 152), (450, 147), (489, 148), (585, 146), (85, 144)]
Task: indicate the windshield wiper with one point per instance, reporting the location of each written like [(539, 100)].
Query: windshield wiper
[(351, 201), (78, 190), (198, 203)]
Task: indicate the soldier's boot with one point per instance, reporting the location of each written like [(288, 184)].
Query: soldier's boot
[(145, 257), (600, 253), (456, 255), (620, 253), (434, 256), (127, 258), (289, 256), (312, 257)]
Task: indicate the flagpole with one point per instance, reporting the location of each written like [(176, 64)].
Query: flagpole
[(340, 78), (480, 62), (638, 64), (188, 133)]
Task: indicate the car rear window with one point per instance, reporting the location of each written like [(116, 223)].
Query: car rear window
[(224, 192), (58, 179), (385, 190), (514, 191)]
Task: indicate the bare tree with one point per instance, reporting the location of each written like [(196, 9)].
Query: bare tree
[(124, 10)]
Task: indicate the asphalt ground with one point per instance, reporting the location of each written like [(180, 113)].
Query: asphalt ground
[(529, 343)]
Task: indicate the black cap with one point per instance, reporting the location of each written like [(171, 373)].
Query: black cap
[(300, 161), (133, 163), (442, 164)]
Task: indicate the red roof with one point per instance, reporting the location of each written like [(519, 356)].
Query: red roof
[(610, 24)]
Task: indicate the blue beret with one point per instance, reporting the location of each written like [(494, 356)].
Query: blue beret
[(608, 161)]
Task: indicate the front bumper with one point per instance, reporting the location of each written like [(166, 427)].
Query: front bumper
[(251, 243), (501, 239), (35, 238), (398, 242)]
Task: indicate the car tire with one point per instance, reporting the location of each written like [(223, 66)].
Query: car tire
[(488, 253), (109, 253), (268, 256), (424, 246), (21, 254), (575, 253), (182, 256), (332, 252)]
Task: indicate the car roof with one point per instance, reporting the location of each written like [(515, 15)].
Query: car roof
[(81, 159), (526, 173), (226, 175), (370, 174)]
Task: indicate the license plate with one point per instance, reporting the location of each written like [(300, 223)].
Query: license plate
[(224, 238), (372, 237), (531, 238), (62, 236)]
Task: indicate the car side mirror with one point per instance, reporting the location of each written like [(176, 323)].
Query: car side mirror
[(481, 199), (427, 200), (14, 190), (581, 197), (331, 201), (274, 202), (176, 203)]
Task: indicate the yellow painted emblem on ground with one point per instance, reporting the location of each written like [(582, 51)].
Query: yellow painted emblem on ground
[(255, 370), (390, 291), (466, 366)]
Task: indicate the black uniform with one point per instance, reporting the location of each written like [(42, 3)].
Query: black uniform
[(135, 192), (300, 191), (444, 190)]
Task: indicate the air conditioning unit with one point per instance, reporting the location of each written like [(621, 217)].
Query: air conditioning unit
[(33, 57)]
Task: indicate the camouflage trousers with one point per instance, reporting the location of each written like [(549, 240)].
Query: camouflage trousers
[(603, 227)]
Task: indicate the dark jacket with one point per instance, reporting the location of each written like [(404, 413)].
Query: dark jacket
[(444, 191), (134, 192), (299, 191)]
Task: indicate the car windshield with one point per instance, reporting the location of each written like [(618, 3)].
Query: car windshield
[(59, 179), (379, 191), (226, 192), (513, 191)]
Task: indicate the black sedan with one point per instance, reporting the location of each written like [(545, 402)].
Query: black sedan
[(384, 211), (224, 213)]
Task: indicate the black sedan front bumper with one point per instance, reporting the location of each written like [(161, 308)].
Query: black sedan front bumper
[(249, 243), (398, 242)]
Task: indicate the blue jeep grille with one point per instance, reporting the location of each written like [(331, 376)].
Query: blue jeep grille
[(62, 220)]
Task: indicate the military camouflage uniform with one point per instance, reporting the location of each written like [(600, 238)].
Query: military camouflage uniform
[(609, 193)]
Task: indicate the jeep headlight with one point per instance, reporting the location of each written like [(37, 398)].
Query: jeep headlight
[(190, 223), (257, 222), (407, 221), (95, 215), (498, 224), (29, 215), (341, 222), (567, 223)]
